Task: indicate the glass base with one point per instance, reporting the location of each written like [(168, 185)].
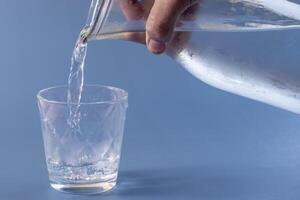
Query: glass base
[(84, 189)]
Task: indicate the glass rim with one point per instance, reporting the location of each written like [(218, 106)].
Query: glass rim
[(122, 98)]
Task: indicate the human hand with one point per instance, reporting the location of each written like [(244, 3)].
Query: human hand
[(161, 17)]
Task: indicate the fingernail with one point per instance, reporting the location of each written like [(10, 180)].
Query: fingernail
[(156, 47)]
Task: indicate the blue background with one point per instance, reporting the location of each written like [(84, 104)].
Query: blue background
[(183, 139)]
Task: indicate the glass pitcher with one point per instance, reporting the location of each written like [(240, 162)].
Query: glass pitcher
[(246, 47)]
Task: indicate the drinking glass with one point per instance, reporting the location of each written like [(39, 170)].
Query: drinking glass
[(83, 158)]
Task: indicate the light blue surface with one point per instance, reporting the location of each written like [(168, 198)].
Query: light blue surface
[(183, 139)]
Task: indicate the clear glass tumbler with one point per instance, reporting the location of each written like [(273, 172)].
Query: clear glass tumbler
[(84, 159)]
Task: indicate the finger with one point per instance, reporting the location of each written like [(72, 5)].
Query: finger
[(132, 9), (161, 22), (190, 13)]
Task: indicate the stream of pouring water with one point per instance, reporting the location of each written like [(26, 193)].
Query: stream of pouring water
[(75, 81)]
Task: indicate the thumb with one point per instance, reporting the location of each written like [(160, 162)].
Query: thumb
[(161, 22)]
